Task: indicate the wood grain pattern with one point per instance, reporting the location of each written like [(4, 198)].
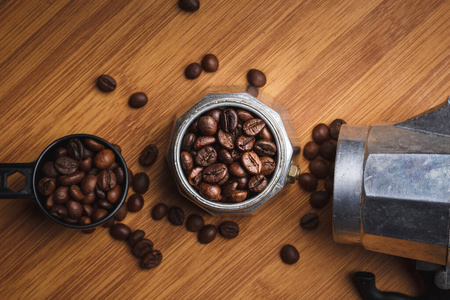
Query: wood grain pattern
[(363, 61)]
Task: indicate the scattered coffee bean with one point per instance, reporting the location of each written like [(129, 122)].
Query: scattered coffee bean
[(159, 211), (256, 78), (138, 100), (328, 150), (193, 70), (289, 254), (151, 259), (189, 5), (142, 247), (335, 128), (141, 182), (135, 203), (135, 237), (194, 223), (319, 168), (121, 213), (308, 182), (148, 155), (319, 199), (309, 221), (106, 83), (229, 229), (207, 234), (210, 63), (120, 231), (176, 216), (321, 133), (329, 185)]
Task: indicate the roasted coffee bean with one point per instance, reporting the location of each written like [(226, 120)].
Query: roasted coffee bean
[(193, 128), (114, 195), (331, 171), (215, 113), (207, 125), (75, 149), (237, 132), (244, 115), (58, 211), (267, 165), (215, 173), (93, 145), (311, 150), (66, 165), (88, 153), (210, 191), (318, 168), (265, 148), (86, 164), (47, 186), (135, 237), (50, 201), (114, 166), (135, 203), (252, 90), (76, 193), (60, 152), (335, 128), (151, 259), (204, 141), (236, 155), (229, 120), (85, 221), (106, 180), (159, 211), (242, 183), (256, 78), (257, 183), (148, 155), (238, 196), (105, 204), (141, 182), (189, 5), (121, 213), (289, 254), (237, 170), (308, 182), (187, 162), (206, 156), (196, 176), (187, 142), (120, 175), (309, 221), (265, 134), (229, 229), (109, 223), (120, 231), (130, 176), (225, 156), (74, 209), (87, 210), (328, 150), (88, 184), (106, 83), (225, 139), (329, 185), (207, 234), (225, 179), (93, 171), (253, 127), (321, 133), (194, 223), (192, 71), (89, 198), (319, 199), (99, 214), (176, 216), (104, 159), (70, 179), (210, 63), (137, 100), (245, 143), (61, 195), (251, 162), (49, 169)]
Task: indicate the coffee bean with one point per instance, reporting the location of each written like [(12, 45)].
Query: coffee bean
[(141, 182), (86, 164), (113, 195), (267, 165), (253, 127), (328, 150), (244, 115), (120, 231), (58, 211), (207, 125), (236, 155), (138, 100), (309, 221), (76, 193), (204, 141), (289, 254), (251, 162), (193, 128), (196, 176), (60, 152), (225, 179), (99, 214), (237, 170), (66, 165), (103, 203), (176, 216), (229, 187), (159, 211), (61, 195), (210, 191), (229, 229), (93, 171), (121, 213), (75, 149), (245, 143), (265, 134), (106, 83), (242, 182), (189, 5), (308, 182), (318, 168), (257, 183), (216, 114), (104, 159), (194, 223), (329, 185), (47, 186), (89, 198), (151, 260), (148, 155), (311, 150), (70, 179), (106, 180), (120, 175), (321, 133), (225, 139), (192, 71), (48, 168), (265, 148), (229, 120), (225, 156), (319, 199), (335, 128), (142, 247), (50, 201), (85, 220), (206, 156), (87, 210), (135, 237), (74, 209), (256, 78), (187, 142), (93, 145), (88, 184), (238, 196), (207, 234), (237, 132), (88, 153), (187, 162), (135, 203), (215, 173), (210, 63), (70, 220)]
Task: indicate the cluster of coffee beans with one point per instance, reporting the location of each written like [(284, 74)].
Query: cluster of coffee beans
[(195, 223), (228, 155), (107, 84), (209, 64), (83, 183)]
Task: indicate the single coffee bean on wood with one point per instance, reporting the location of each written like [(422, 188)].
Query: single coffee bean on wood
[(319, 199), (176, 216), (106, 83), (256, 78), (210, 63), (289, 254), (135, 237), (141, 182), (308, 182), (138, 100), (194, 223), (135, 203), (142, 247), (192, 71), (120, 231), (151, 259), (189, 5), (148, 155), (159, 211), (121, 213), (309, 221), (207, 234), (229, 229)]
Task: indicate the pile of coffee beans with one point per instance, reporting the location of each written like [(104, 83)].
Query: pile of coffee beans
[(228, 155), (83, 183), (209, 64), (195, 223)]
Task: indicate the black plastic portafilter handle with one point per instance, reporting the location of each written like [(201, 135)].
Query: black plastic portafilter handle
[(26, 169)]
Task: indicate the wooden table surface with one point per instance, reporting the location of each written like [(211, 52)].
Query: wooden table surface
[(363, 61)]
